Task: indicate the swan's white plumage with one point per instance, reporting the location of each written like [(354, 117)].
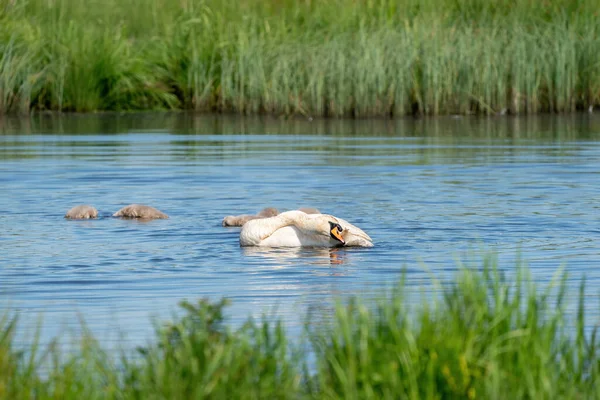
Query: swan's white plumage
[(296, 229)]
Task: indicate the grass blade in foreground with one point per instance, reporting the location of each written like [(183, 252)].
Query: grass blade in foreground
[(484, 336), (489, 337)]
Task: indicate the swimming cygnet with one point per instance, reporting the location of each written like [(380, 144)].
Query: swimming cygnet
[(239, 220), (309, 210), (82, 211), (140, 211)]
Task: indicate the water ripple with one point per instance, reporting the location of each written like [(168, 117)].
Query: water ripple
[(427, 198)]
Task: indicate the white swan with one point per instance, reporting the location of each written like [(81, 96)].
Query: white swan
[(296, 229)]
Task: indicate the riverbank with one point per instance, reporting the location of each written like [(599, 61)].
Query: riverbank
[(334, 58), (488, 336)]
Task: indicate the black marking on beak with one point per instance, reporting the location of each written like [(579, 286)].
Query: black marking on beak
[(335, 231)]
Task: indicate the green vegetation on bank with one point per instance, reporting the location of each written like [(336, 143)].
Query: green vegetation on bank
[(307, 57), (485, 336)]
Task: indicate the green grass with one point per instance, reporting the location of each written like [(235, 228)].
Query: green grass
[(484, 335), (315, 58)]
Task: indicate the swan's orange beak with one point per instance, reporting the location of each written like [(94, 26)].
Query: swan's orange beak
[(335, 232)]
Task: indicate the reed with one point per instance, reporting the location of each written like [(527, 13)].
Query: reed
[(488, 338), (327, 58), (483, 334)]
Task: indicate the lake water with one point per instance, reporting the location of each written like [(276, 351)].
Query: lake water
[(427, 191)]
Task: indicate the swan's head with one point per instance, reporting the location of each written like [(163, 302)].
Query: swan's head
[(317, 229), (352, 235), (340, 232)]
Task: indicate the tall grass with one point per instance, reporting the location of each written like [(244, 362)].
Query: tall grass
[(483, 336), (318, 58)]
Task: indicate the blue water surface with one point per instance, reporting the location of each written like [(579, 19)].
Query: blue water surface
[(429, 192)]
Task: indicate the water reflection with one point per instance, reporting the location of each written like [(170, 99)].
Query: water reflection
[(546, 127), (309, 255)]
